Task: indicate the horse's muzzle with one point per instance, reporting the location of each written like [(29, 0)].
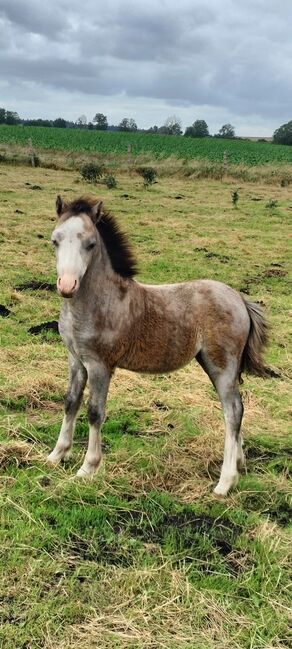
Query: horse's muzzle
[(67, 285)]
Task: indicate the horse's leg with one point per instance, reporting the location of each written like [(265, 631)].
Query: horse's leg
[(227, 387), (77, 382), (225, 381), (99, 379), (240, 453)]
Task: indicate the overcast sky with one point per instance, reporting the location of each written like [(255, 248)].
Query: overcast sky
[(222, 61)]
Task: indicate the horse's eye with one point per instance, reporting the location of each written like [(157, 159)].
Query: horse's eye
[(90, 245), (55, 242)]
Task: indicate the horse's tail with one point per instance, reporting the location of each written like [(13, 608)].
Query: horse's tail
[(252, 361)]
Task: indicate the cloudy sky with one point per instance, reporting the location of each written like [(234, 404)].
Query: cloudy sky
[(220, 61)]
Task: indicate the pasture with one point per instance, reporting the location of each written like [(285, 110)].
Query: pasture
[(144, 556)]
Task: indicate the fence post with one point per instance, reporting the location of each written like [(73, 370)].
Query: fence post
[(129, 154), (31, 152)]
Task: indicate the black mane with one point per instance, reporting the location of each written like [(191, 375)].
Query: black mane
[(116, 242)]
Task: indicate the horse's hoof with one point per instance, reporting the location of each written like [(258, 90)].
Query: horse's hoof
[(52, 458), (220, 491), (84, 473)]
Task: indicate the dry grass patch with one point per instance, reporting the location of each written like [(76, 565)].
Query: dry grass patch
[(19, 453)]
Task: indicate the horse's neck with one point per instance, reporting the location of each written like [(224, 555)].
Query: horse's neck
[(101, 290)]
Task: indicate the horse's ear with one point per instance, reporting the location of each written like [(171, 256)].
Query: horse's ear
[(60, 205), (97, 212)]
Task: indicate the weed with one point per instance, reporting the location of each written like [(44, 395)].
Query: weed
[(235, 197), (91, 172), (272, 204), (110, 181), (148, 174)]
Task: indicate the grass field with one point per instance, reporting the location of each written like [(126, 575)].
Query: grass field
[(144, 556), (158, 146)]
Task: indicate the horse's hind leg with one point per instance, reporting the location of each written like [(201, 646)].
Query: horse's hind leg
[(227, 387), (77, 382), (225, 382)]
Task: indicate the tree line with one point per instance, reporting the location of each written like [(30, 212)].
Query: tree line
[(172, 126)]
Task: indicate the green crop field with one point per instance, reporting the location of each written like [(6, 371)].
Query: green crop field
[(159, 146), (144, 556)]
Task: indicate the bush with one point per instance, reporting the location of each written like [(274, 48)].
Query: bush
[(148, 174), (110, 181), (91, 172), (272, 204)]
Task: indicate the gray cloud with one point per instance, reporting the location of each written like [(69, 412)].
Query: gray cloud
[(233, 58)]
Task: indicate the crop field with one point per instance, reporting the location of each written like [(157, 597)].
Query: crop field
[(159, 146), (144, 556)]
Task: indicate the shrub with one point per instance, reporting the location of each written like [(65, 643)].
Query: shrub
[(272, 204), (148, 174), (235, 197), (91, 172), (110, 181)]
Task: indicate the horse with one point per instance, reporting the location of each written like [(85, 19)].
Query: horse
[(109, 319)]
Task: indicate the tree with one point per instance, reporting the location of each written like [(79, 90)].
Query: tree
[(101, 122), (81, 121), (2, 115), (226, 131), (283, 135), (172, 126), (12, 117), (127, 124), (153, 129), (198, 129), (38, 122), (60, 122)]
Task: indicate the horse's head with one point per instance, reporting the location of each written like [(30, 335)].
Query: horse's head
[(75, 239)]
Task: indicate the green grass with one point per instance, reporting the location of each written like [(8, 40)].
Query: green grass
[(144, 556), (159, 146)]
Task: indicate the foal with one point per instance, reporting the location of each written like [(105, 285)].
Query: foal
[(110, 320)]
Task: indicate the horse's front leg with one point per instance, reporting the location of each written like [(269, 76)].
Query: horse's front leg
[(77, 382), (99, 379)]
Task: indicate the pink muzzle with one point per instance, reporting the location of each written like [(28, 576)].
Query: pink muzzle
[(67, 284)]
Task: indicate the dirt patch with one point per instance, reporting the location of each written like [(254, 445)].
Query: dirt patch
[(36, 285), (43, 327), (274, 272), (99, 549), (181, 535), (183, 532), (4, 312), (213, 255), (160, 406), (281, 514)]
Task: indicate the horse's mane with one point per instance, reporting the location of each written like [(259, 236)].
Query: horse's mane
[(116, 242)]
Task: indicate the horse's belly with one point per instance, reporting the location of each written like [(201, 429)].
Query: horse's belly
[(160, 355)]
